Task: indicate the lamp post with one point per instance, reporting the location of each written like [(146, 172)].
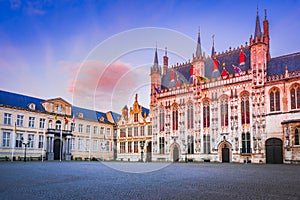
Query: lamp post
[(142, 148), (25, 144)]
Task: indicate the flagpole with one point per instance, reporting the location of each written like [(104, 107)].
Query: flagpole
[(90, 145), (60, 151), (44, 141), (12, 143)]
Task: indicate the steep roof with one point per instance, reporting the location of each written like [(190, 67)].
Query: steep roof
[(20, 101), (277, 65), (89, 114), (182, 73)]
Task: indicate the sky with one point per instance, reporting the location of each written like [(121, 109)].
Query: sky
[(97, 54)]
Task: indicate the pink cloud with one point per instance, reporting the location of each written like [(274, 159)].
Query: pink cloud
[(93, 81)]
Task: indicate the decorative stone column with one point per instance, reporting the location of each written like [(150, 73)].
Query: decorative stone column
[(68, 153), (50, 147)]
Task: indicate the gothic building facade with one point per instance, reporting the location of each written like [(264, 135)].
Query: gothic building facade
[(134, 134), (241, 105)]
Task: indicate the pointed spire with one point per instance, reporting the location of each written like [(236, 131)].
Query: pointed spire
[(166, 51), (155, 64), (257, 32), (213, 46), (198, 51)]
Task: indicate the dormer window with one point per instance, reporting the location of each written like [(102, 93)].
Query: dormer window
[(101, 119), (31, 106), (80, 115), (58, 108)]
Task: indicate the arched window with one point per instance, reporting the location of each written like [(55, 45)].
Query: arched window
[(161, 120), (274, 100), (175, 119), (224, 112), (50, 124), (297, 136), (246, 148), (245, 110), (206, 114), (190, 140), (295, 97), (58, 125), (190, 116)]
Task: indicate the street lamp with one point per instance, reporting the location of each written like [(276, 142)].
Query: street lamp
[(25, 144), (142, 148)]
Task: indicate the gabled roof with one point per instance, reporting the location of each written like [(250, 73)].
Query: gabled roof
[(20, 101), (58, 99), (277, 65)]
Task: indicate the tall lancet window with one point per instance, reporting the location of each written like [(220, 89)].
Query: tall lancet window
[(224, 111), (274, 100), (175, 118), (190, 116), (161, 119), (245, 110), (206, 114), (295, 97)]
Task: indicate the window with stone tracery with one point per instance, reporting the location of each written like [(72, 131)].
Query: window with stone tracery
[(206, 114), (297, 135), (245, 109), (190, 116), (246, 143), (190, 140), (175, 118), (161, 145), (295, 97), (161, 120), (224, 111), (274, 100)]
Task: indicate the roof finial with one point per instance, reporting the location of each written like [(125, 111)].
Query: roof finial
[(257, 32), (165, 51), (198, 51), (265, 14), (155, 57)]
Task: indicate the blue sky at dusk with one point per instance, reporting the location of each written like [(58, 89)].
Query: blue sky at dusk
[(44, 43)]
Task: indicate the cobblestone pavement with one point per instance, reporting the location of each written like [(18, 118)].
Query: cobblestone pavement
[(94, 180)]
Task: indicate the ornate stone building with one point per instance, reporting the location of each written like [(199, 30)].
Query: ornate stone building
[(241, 105), (134, 134), (53, 129)]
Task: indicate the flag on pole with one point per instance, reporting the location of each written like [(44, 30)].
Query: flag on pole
[(237, 70), (73, 119), (186, 86), (156, 89), (202, 79), (66, 120)]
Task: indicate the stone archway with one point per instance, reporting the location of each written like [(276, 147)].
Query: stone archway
[(274, 153), (175, 152), (225, 151)]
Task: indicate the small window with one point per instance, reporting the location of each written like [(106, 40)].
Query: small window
[(31, 106), (80, 115)]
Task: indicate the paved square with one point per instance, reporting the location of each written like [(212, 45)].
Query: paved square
[(95, 180)]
